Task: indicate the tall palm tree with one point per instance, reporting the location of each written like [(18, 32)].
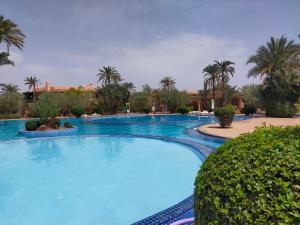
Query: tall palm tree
[(211, 77), (108, 75), (225, 69), (278, 58), (32, 83), (8, 88), (128, 88), (11, 34), (4, 59), (167, 83), (155, 97)]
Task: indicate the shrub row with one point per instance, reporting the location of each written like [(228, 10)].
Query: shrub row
[(280, 109), (32, 125), (249, 109)]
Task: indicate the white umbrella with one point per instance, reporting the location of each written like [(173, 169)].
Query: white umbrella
[(212, 104)]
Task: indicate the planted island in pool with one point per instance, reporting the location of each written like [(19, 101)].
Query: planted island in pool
[(47, 128)]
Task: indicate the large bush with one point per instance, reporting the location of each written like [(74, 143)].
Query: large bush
[(252, 179), (10, 103), (280, 109), (78, 111), (225, 115), (183, 109), (248, 109)]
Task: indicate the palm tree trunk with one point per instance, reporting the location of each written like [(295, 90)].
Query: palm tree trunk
[(223, 90), (34, 94)]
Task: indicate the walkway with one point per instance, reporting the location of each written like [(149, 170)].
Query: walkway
[(246, 126)]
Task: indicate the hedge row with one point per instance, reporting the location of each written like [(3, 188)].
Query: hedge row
[(253, 179)]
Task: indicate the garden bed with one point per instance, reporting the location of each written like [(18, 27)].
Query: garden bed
[(49, 133)]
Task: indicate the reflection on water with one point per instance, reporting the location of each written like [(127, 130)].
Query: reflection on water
[(47, 151)]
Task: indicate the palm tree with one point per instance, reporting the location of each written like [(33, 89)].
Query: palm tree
[(167, 83), (225, 69), (128, 88), (32, 83), (8, 88), (155, 97), (108, 75), (10, 34), (4, 59), (276, 59), (212, 78)]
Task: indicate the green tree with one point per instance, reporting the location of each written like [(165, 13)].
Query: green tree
[(277, 63), (11, 34), (10, 103), (127, 89), (9, 88), (108, 75), (211, 78), (4, 59), (251, 95), (225, 69), (32, 83), (278, 58), (167, 83)]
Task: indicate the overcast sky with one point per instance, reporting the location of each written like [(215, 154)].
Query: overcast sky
[(69, 40)]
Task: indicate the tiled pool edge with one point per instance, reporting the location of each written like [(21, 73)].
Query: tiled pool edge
[(183, 209)]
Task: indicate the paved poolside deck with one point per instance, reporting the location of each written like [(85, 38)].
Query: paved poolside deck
[(246, 126)]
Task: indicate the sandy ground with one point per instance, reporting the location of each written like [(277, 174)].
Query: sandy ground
[(246, 126)]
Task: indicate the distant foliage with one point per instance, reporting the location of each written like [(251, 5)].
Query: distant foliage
[(277, 63), (173, 99), (225, 115), (31, 125), (10, 103), (249, 109), (68, 124), (280, 109), (251, 95), (183, 109), (252, 179), (77, 111)]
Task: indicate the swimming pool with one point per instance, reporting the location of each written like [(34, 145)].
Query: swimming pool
[(115, 170)]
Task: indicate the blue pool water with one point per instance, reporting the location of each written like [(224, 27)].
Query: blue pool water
[(94, 178)]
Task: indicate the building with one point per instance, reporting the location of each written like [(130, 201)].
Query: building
[(48, 87), (201, 102)]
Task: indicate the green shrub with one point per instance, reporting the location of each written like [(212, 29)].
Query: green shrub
[(31, 125), (249, 109), (252, 179), (183, 109), (280, 109), (68, 124), (54, 123), (10, 116), (10, 103), (146, 110), (225, 115), (77, 111)]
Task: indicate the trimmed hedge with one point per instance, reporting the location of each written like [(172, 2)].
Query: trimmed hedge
[(280, 109), (248, 109), (225, 115), (252, 179), (183, 109), (10, 116)]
